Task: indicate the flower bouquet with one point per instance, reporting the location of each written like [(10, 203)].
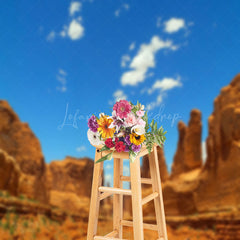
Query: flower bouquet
[(127, 130)]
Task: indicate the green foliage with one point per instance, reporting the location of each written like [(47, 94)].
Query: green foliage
[(107, 157), (25, 224), (156, 135), (22, 197), (132, 155), (44, 220), (104, 148)]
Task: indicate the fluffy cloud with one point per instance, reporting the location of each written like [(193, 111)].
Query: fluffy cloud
[(125, 58), (162, 86), (174, 25), (81, 149), (74, 7), (166, 84), (144, 60), (132, 46), (159, 19), (126, 170), (75, 30), (204, 151), (51, 36), (156, 103), (61, 78), (119, 95), (119, 10), (107, 179)]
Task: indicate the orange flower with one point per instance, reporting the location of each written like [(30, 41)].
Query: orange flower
[(104, 129)]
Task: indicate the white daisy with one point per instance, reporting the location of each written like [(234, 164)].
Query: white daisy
[(138, 129), (94, 138)]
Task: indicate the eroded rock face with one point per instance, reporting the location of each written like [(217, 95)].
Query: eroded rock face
[(145, 171), (71, 179), (220, 179), (178, 161), (17, 139), (189, 150), (9, 172)]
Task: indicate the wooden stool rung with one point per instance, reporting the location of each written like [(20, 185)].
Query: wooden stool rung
[(149, 198), (107, 238), (105, 195), (149, 226), (112, 234), (143, 180), (115, 190)]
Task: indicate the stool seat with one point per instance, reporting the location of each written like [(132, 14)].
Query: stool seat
[(100, 192)]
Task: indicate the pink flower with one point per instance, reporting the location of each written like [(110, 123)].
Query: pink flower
[(130, 120), (140, 113), (122, 108), (141, 122)]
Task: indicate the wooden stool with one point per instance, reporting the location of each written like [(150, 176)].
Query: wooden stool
[(100, 192)]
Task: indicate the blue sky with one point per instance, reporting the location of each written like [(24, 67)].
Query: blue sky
[(172, 56)]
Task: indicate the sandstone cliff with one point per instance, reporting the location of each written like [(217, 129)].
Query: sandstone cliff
[(9, 172), (189, 150), (70, 182), (220, 180), (17, 139)]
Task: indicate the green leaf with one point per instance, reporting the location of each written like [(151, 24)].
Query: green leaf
[(104, 148), (155, 127), (107, 157), (132, 156), (151, 124)]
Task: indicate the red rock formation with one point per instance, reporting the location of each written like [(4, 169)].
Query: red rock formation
[(9, 172), (70, 181), (17, 139), (216, 186), (220, 179), (145, 171), (189, 151), (178, 161)]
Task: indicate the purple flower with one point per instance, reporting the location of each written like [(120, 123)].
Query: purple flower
[(126, 148), (127, 140), (92, 123), (136, 148)]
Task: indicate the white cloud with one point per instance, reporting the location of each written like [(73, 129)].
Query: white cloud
[(119, 95), (166, 84), (119, 10), (81, 149), (108, 166), (75, 30), (62, 72), (125, 59), (74, 7), (204, 151), (51, 36), (174, 25), (159, 19), (163, 86), (108, 179), (61, 78), (156, 103), (132, 46), (144, 60), (126, 170)]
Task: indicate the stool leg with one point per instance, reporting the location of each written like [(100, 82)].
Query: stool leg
[(136, 199), (158, 202), (95, 201), (117, 198)]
